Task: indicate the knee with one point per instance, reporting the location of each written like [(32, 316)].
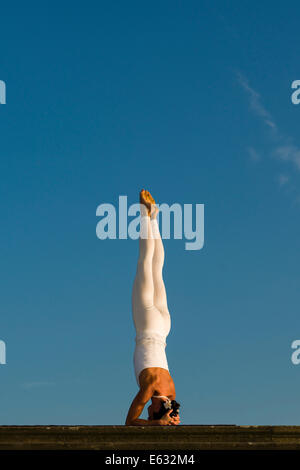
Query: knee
[(145, 263)]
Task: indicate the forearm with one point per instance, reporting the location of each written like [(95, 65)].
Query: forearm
[(137, 406)]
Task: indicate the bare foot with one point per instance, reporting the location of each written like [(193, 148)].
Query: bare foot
[(149, 202)]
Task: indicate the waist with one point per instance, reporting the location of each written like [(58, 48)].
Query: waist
[(150, 336)]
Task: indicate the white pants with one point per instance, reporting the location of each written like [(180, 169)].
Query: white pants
[(149, 301)]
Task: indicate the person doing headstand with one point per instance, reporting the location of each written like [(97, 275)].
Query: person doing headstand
[(152, 324)]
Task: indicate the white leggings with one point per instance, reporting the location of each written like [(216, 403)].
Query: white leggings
[(149, 300)]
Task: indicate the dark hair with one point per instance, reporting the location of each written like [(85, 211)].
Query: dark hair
[(162, 411)]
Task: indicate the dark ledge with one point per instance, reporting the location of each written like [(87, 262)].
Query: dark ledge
[(220, 437)]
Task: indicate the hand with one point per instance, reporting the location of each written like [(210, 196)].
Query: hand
[(168, 420)]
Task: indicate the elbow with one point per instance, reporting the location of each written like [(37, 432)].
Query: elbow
[(132, 422)]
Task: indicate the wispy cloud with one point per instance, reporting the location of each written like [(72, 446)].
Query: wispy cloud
[(283, 148), (30, 385), (283, 179), (255, 102), (253, 154), (289, 153)]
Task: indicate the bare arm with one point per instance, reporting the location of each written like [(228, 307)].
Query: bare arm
[(137, 406)]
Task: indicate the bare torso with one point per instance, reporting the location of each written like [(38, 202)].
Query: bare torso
[(160, 379)]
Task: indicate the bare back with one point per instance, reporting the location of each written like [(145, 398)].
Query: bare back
[(160, 379)]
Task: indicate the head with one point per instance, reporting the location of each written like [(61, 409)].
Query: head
[(157, 408)]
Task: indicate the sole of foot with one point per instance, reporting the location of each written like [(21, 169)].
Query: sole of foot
[(147, 199)]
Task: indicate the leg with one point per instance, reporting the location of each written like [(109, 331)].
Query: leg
[(143, 287), (160, 296), (148, 284)]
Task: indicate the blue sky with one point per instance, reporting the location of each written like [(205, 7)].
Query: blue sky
[(192, 101)]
